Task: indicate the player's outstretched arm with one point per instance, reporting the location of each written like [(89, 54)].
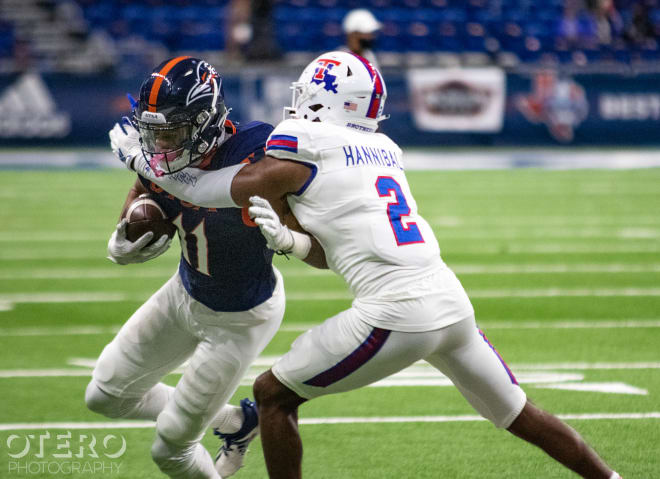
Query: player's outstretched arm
[(270, 178), (193, 186), (231, 186)]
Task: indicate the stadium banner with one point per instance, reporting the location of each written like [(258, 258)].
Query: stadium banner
[(457, 99), (435, 107)]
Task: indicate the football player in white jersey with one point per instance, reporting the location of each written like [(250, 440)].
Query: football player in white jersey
[(341, 189)]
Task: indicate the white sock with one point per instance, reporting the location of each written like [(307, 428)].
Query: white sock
[(615, 475), (229, 420)]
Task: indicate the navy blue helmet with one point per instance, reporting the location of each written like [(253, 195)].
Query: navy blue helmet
[(181, 113)]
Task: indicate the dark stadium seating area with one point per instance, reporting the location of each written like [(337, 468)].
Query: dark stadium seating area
[(526, 28), (196, 25), (566, 31)]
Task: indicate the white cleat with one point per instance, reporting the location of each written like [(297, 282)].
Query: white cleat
[(231, 454)]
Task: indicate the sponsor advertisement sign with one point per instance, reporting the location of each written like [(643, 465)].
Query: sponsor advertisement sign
[(467, 99), (475, 106)]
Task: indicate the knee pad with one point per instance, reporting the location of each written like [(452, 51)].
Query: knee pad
[(110, 406)]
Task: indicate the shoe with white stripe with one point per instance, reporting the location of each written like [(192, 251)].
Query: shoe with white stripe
[(231, 454)]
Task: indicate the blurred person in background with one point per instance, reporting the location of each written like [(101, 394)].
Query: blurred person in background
[(577, 27), (608, 21), (250, 31), (639, 30), (361, 29)]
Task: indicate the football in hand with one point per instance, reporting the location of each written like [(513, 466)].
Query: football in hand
[(145, 215)]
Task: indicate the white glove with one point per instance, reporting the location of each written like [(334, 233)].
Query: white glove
[(122, 251), (125, 143), (279, 237)]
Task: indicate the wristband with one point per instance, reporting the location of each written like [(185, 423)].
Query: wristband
[(302, 243)]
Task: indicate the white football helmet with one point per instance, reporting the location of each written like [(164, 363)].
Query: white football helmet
[(340, 88)]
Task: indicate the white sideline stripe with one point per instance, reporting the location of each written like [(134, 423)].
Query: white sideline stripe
[(301, 327), (463, 269), (25, 426)]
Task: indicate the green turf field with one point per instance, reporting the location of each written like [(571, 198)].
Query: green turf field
[(563, 268)]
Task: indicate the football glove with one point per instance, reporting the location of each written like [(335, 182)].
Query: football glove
[(123, 251), (125, 143), (279, 237)]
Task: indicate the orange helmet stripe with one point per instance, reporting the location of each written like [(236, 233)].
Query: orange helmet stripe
[(153, 95)]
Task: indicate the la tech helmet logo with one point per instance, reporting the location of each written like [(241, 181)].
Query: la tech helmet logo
[(323, 74)]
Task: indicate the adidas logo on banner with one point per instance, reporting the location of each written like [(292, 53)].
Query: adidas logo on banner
[(28, 111)]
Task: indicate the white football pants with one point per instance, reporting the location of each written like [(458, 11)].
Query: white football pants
[(345, 353), (170, 328)]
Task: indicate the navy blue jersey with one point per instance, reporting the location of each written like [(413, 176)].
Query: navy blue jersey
[(225, 263)]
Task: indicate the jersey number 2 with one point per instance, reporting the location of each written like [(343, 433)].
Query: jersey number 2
[(194, 243), (397, 208)]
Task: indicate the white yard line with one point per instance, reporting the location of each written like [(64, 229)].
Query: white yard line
[(555, 268), (22, 254), (73, 297), (503, 293), (417, 370), (569, 324), (463, 269), (52, 236), (64, 331), (584, 366), (44, 373), (557, 292), (619, 231), (301, 327), (559, 221), (31, 426), (97, 273)]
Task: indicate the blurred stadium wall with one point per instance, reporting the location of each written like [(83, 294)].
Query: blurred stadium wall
[(459, 73)]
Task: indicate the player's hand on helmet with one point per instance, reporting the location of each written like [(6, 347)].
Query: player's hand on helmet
[(125, 143), (123, 251), (278, 236)]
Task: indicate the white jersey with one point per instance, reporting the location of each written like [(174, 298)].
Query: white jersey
[(358, 204)]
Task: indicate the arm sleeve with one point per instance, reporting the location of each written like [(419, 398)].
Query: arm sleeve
[(208, 189)]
